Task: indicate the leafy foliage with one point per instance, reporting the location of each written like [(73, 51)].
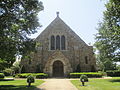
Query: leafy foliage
[(16, 67), (89, 74), (2, 64), (18, 20), (113, 73), (83, 77), (37, 75), (108, 36), (23, 75), (8, 72), (2, 75), (30, 79), (41, 75)]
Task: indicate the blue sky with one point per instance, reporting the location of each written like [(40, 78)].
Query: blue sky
[(82, 16)]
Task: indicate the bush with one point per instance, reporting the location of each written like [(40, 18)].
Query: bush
[(103, 73), (37, 75), (41, 75), (88, 74), (8, 72), (30, 79), (83, 77), (23, 75), (2, 75), (113, 73)]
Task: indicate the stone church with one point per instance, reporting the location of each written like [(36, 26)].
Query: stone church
[(60, 51)]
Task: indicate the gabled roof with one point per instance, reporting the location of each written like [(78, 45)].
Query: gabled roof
[(56, 23)]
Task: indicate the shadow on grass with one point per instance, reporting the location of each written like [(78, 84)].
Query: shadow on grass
[(83, 86), (17, 87), (114, 80), (11, 79)]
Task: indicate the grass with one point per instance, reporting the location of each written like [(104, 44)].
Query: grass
[(99, 84), (18, 85)]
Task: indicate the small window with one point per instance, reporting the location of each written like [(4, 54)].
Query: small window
[(86, 59)]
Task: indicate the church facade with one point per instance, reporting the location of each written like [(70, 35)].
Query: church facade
[(60, 51)]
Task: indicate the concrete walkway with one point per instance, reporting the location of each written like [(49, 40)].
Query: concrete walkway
[(56, 84)]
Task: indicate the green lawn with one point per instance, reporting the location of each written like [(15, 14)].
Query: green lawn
[(18, 85), (99, 84)]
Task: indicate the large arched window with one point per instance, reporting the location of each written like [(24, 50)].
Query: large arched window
[(63, 42), (57, 42), (52, 43)]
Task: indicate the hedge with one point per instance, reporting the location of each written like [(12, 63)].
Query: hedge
[(37, 75), (89, 74), (7, 72), (41, 75), (23, 75), (113, 73), (2, 75)]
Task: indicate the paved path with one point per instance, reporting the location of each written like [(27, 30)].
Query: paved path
[(56, 84)]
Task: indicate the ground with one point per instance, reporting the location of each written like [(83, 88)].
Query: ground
[(19, 84), (63, 84), (56, 84), (99, 84)]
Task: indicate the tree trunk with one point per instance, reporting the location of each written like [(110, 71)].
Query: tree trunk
[(29, 84), (83, 83)]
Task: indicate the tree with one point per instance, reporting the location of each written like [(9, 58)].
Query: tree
[(108, 36), (16, 67), (83, 79), (30, 79), (2, 64), (18, 20)]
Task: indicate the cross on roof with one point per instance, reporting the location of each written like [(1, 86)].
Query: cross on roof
[(57, 14)]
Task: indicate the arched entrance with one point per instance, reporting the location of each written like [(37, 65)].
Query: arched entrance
[(57, 58), (58, 69)]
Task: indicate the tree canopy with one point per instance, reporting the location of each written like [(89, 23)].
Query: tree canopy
[(18, 20), (108, 36)]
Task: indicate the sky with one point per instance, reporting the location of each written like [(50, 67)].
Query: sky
[(82, 16)]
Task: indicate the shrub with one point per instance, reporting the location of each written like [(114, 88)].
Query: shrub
[(103, 73), (23, 75), (83, 79), (7, 72), (88, 74), (41, 75), (113, 73), (30, 79), (37, 75), (2, 75)]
